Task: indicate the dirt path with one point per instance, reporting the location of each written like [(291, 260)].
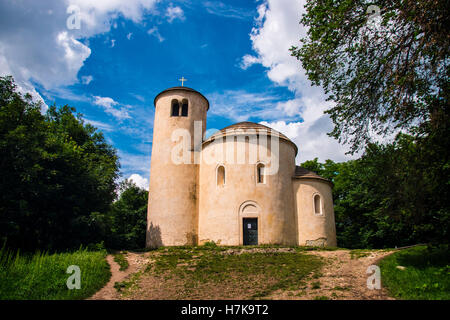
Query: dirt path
[(342, 278), (108, 292)]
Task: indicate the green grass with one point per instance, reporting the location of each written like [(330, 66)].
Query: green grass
[(121, 261), (359, 253), (211, 264), (43, 276), (341, 288), (126, 286), (426, 275)]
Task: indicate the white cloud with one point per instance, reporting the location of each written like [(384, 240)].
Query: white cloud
[(134, 163), (249, 60), (106, 102), (74, 55), (224, 10), (138, 97), (129, 35), (109, 104), (100, 125), (173, 13), (311, 139), (277, 29), (96, 15), (239, 105), (155, 32), (140, 181), (22, 86), (37, 47), (113, 43), (87, 79)]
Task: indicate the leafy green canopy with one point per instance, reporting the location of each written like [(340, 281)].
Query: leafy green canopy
[(56, 173), (394, 195), (384, 74), (126, 220)]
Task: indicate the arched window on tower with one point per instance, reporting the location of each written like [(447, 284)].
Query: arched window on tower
[(317, 204), (220, 176), (175, 108), (260, 178), (184, 108)]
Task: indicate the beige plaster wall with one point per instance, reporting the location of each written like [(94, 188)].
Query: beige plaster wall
[(222, 208), (314, 229), (173, 192)]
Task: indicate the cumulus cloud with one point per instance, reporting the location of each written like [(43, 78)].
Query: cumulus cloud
[(140, 181), (173, 13), (276, 29), (109, 105), (36, 45), (39, 50), (311, 139), (97, 16), (249, 60)]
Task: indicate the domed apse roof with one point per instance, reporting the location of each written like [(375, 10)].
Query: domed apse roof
[(247, 125), (303, 173), (180, 88)]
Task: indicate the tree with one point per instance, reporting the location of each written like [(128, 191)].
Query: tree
[(395, 194), (328, 170), (383, 74), (127, 218), (57, 173)]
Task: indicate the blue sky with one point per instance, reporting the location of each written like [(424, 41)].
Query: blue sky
[(125, 53)]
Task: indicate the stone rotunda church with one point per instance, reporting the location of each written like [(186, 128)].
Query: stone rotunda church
[(227, 201)]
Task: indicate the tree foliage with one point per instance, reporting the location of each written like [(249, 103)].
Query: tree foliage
[(57, 172), (127, 218), (395, 194), (384, 74)]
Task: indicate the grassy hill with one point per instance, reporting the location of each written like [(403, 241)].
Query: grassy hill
[(213, 272)]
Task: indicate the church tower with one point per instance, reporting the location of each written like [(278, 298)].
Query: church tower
[(179, 126)]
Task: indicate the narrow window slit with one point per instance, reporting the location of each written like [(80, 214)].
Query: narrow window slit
[(175, 108)]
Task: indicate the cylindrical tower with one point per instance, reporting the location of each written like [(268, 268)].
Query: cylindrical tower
[(179, 125), (315, 213)]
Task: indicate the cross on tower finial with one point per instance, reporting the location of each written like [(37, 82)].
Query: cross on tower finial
[(182, 81)]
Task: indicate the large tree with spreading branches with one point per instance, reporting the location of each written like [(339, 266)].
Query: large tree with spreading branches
[(384, 64)]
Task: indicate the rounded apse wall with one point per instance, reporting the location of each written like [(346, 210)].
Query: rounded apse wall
[(226, 202)]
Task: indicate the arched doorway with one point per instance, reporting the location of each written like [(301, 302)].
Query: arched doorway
[(249, 223)]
